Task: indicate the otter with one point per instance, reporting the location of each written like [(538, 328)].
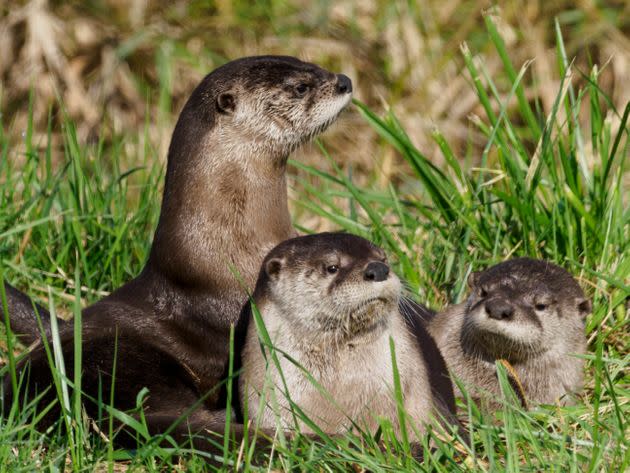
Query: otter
[(224, 206), (527, 312), (331, 304), (225, 201)]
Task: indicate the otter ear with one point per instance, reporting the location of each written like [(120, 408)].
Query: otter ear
[(472, 279), (226, 102), (584, 306), (273, 267)]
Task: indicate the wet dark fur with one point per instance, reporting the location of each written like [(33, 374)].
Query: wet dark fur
[(22, 316), (170, 326)]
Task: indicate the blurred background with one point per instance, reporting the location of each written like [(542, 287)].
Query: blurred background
[(119, 66)]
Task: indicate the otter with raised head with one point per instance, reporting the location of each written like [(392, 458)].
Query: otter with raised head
[(224, 207), (528, 312), (330, 303), (225, 199)]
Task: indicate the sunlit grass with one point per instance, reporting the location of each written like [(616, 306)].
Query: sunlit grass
[(545, 186)]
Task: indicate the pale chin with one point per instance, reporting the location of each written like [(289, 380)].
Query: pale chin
[(388, 299), (334, 110), (517, 334), (344, 102)]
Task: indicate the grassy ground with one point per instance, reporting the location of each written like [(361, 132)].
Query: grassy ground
[(540, 179)]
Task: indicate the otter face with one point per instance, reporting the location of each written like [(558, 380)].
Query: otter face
[(281, 100), (521, 308), (331, 286)]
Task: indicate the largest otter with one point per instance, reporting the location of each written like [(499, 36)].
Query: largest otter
[(225, 199), (224, 207)]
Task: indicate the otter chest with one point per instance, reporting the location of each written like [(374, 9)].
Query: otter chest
[(354, 382), (358, 380)]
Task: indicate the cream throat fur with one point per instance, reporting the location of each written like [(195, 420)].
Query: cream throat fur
[(356, 379)]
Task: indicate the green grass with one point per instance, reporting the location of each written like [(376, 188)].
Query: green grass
[(544, 186)]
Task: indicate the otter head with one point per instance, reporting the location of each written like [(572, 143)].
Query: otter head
[(271, 104), (522, 308), (330, 287)]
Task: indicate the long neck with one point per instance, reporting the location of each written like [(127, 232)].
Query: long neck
[(224, 208)]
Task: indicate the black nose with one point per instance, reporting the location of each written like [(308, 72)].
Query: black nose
[(344, 84), (376, 271), (499, 309)]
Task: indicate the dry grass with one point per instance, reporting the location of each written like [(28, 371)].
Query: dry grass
[(128, 62)]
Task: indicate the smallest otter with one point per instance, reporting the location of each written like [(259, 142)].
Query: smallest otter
[(330, 305), (527, 312)]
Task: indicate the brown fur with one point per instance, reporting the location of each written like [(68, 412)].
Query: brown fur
[(224, 206), (325, 322), (543, 326)]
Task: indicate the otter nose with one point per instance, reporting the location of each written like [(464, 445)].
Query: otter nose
[(499, 309), (376, 271), (344, 84)]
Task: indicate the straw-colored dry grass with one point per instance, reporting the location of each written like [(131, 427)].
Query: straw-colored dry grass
[(131, 62)]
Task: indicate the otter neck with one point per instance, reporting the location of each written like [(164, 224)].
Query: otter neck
[(223, 209), (331, 335)]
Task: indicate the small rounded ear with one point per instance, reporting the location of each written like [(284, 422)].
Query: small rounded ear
[(472, 279), (226, 102), (273, 267), (584, 306)]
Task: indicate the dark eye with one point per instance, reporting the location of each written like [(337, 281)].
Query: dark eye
[(301, 88), (332, 269), (540, 306), (483, 292)]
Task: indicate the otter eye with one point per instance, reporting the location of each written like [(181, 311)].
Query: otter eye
[(540, 306), (483, 292), (301, 89), (332, 269)]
